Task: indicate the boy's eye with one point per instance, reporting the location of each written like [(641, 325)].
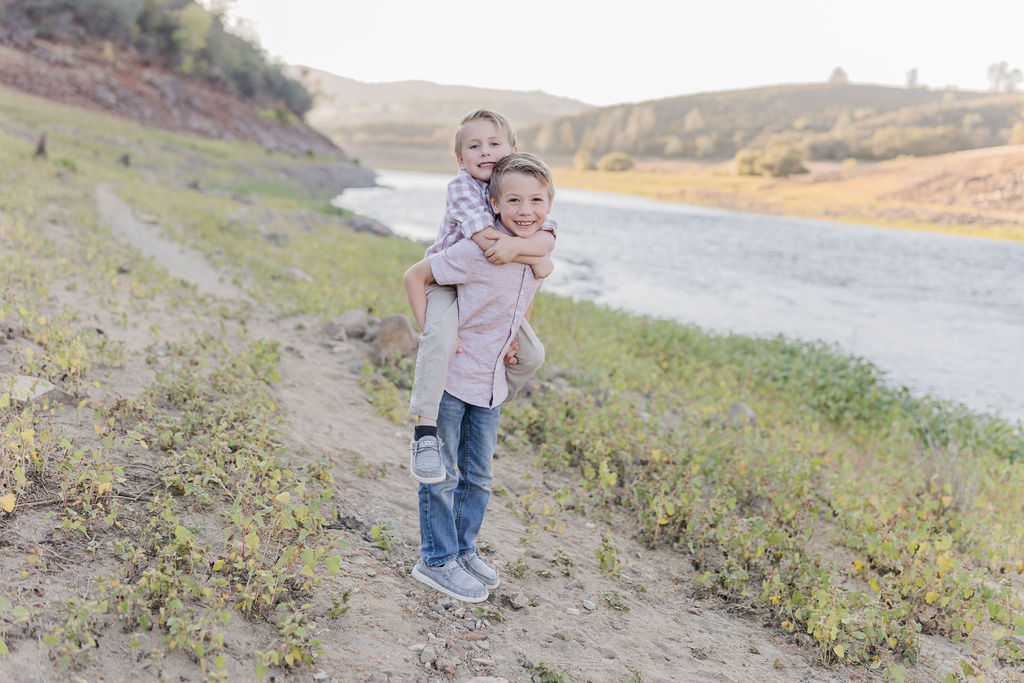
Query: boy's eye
[(495, 144)]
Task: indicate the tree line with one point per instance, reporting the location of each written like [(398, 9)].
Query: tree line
[(179, 34)]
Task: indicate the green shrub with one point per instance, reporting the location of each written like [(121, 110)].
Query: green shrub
[(616, 162)]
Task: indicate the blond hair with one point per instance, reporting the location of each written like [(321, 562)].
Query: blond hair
[(499, 121), (522, 163)]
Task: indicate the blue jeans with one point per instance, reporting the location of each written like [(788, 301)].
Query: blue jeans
[(451, 511)]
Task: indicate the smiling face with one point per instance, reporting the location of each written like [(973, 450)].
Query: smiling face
[(522, 204), (482, 146)]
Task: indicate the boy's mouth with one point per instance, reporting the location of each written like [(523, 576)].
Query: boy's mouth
[(486, 164)]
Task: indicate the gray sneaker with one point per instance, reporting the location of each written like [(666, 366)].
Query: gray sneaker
[(480, 570), (425, 460), (451, 579)]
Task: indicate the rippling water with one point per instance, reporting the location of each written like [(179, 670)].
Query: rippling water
[(941, 314)]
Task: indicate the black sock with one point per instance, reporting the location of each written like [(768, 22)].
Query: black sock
[(424, 430)]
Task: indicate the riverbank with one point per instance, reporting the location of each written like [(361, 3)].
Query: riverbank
[(216, 487), (977, 192)]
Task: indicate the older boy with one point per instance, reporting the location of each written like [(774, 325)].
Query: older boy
[(494, 301), (481, 140)]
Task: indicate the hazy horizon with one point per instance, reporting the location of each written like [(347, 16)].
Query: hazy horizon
[(651, 52)]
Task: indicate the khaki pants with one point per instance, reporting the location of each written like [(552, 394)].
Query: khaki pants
[(437, 346)]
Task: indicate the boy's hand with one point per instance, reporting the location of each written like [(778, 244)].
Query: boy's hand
[(504, 250), (543, 268), (510, 357)]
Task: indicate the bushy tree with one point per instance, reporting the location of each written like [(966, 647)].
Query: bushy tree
[(616, 161), (583, 160), (746, 162), (780, 161)]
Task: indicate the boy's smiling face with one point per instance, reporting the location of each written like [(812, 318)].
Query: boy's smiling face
[(483, 145), (523, 204)]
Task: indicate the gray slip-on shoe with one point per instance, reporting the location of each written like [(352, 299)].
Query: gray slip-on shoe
[(480, 570), (425, 460), (451, 579)]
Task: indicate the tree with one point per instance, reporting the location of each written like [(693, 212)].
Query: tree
[(838, 76), (584, 160), (1002, 78), (912, 79), (616, 161)]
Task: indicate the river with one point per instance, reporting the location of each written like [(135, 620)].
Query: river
[(940, 314)]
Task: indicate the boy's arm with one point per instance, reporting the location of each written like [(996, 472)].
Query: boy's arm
[(507, 248), (416, 280)]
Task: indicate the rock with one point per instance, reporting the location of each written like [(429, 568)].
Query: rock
[(575, 583), (470, 624), (418, 647), (445, 666), (321, 676), (297, 274), (353, 322), (517, 600), (428, 655), (753, 650), (561, 635), (395, 338), (740, 414), (483, 661), (364, 224), (572, 612), (777, 664), (588, 605), (24, 389)]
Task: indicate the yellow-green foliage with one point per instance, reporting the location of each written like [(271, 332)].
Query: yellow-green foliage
[(922, 501)]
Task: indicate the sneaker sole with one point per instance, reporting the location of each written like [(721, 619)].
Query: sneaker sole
[(423, 578), (423, 480)]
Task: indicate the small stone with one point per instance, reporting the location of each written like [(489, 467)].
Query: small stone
[(24, 389), (607, 652), (483, 661), (698, 653), (573, 584), (470, 624), (418, 647), (297, 274), (517, 600), (429, 655), (460, 613), (573, 612), (445, 666), (321, 676), (561, 635), (587, 604), (483, 644), (753, 650), (371, 573), (437, 608), (535, 554), (777, 664), (740, 414)]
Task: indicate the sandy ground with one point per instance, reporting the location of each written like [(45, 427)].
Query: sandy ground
[(553, 614)]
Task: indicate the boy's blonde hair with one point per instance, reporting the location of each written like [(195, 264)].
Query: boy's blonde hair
[(499, 121), (524, 164)]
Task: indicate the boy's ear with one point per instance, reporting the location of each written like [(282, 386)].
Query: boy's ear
[(494, 204), (458, 158), (515, 148)]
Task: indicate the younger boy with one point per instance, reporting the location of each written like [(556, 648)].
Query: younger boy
[(481, 140), (494, 301)]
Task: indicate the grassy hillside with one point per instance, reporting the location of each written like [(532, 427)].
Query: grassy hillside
[(830, 121), (159, 523)]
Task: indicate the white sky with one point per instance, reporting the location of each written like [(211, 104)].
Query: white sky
[(632, 50)]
